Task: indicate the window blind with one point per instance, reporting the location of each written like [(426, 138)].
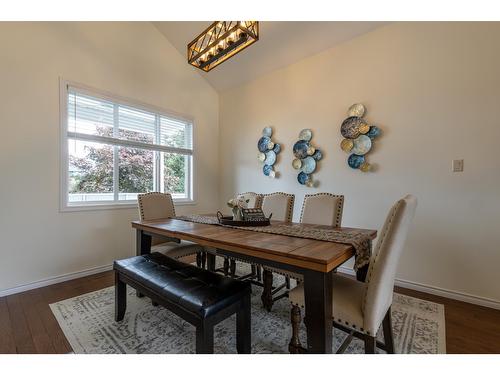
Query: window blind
[(101, 120)]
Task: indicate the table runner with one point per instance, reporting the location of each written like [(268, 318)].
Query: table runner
[(359, 240)]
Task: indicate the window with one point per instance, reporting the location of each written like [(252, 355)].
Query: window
[(113, 150)]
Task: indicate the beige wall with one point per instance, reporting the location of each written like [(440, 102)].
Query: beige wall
[(129, 59), (434, 89)]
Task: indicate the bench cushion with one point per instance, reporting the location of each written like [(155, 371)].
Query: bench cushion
[(199, 291)]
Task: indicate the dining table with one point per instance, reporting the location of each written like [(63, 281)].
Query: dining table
[(315, 260)]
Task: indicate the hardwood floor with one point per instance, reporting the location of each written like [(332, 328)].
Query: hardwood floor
[(27, 324)]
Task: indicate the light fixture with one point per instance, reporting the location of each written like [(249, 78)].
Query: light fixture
[(220, 41)]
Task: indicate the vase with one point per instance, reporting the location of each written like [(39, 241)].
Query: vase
[(237, 214)]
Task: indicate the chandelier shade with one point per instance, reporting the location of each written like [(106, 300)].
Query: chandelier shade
[(220, 41)]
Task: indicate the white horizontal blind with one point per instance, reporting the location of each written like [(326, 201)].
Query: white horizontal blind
[(93, 119)]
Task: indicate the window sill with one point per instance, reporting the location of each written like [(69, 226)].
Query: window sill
[(116, 206)]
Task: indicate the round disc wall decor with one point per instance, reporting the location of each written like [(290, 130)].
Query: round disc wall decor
[(358, 137), (306, 158), (268, 152)]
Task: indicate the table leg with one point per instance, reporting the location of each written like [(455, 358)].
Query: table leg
[(318, 299), (210, 262), (142, 247)]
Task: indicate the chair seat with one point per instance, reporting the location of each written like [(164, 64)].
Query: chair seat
[(348, 295), (177, 250)]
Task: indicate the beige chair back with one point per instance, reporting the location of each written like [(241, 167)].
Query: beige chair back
[(384, 263), (254, 199), (153, 206), (322, 209), (280, 205)]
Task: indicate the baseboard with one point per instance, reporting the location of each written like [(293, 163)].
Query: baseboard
[(55, 280), (459, 296)]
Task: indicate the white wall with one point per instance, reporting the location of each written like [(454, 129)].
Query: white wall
[(129, 59), (434, 89)]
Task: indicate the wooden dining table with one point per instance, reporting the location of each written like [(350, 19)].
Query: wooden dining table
[(314, 259)]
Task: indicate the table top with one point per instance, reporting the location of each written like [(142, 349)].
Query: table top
[(301, 252)]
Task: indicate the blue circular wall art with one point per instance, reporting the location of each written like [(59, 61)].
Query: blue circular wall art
[(306, 158), (268, 152), (358, 137)]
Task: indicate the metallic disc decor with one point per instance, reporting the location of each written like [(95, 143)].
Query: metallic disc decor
[(268, 152), (297, 163), (303, 178), (300, 149), (358, 137), (271, 158), (361, 145), (355, 161), (318, 155), (350, 127), (305, 134), (347, 145), (308, 165), (357, 110), (306, 158), (263, 143), (373, 132), (267, 132)]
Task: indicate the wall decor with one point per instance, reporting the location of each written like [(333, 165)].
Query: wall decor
[(268, 152), (306, 158), (358, 137)]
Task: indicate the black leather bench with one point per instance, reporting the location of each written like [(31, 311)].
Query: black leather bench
[(200, 297)]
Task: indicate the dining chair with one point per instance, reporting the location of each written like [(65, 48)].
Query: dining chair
[(360, 308), (155, 206), (319, 209)]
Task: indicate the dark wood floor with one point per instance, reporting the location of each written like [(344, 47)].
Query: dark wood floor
[(28, 326)]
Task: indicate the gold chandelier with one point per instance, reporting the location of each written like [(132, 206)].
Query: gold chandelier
[(220, 41)]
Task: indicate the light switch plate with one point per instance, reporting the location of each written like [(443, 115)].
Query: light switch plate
[(458, 165)]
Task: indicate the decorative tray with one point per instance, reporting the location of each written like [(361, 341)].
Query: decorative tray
[(228, 220)]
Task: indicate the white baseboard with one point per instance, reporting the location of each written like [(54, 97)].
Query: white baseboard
[(459, 296), (55, 280)]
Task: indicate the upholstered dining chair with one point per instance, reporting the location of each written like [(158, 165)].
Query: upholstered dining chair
[(319, 209), (361, 308), (155, 206)]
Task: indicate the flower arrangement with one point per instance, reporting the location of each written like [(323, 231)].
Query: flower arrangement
[(236, 205)]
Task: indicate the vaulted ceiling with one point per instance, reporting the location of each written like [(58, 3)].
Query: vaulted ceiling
[(280, 44)]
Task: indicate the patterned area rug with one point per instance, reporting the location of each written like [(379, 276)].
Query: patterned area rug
[(88, 323)]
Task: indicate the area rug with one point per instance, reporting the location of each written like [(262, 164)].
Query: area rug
[(88, 323)]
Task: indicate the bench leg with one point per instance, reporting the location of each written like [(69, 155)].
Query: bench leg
[(205, 339), (120, 298), (244, 327)]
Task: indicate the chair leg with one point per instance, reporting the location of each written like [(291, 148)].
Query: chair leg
[(198, 260), (226, 266), (120, 298), (244, 327), (203, 259), (295, 347), (204, 339), (232, 268), (259, 273), (287, 282), (370, 344), (267, 293), (388, 336)]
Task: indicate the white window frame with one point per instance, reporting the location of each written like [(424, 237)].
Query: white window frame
[(65, 205)]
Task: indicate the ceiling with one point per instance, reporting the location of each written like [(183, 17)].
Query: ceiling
[(280, 44)]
